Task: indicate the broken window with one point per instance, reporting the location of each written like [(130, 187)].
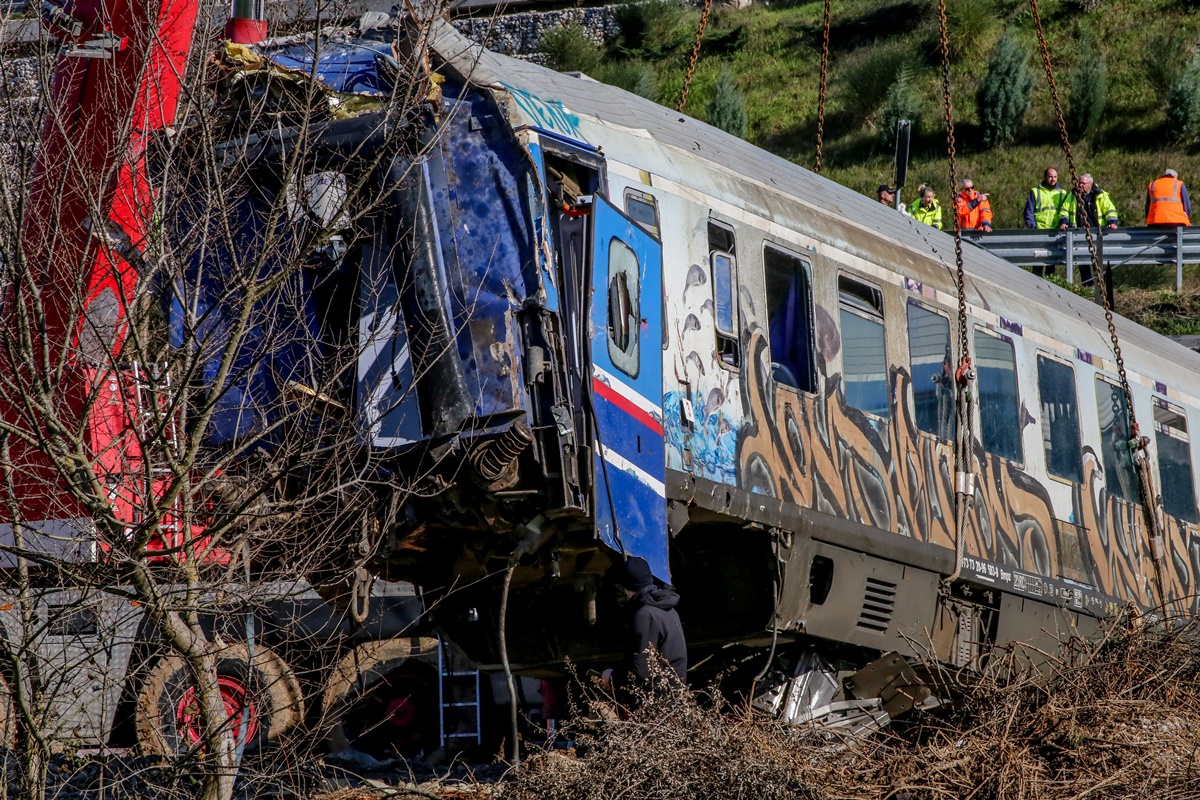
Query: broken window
[(999, 403), (722, 250), (1174, 460), (789, 317), (624, 309), (1120, 475), (642, 208), (1060, 419), (932, 371), (864, 358)]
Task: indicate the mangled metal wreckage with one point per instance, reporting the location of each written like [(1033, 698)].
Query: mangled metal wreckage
[(596, 327)]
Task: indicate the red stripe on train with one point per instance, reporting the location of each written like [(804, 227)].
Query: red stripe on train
[(610, 394)]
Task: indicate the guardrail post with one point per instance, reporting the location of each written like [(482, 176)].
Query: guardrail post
[(1070, 257), (1179, 259)]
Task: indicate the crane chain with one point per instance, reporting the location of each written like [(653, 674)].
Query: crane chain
[(821, 88), (691, 70), (964, 451), (1136, 441)]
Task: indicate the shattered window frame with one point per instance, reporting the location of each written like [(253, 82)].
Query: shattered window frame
[(624, 335), (782, 334)]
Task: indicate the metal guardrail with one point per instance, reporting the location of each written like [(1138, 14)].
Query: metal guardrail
[(1039, 248)]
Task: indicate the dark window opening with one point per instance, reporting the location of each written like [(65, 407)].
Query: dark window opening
[(642, 208), (864, 357), (1174, 461), (999, 403), (624, 307), (722, 257), (789, 318), (932, 371), (820, 580), (1120, 475), (1060, 419)]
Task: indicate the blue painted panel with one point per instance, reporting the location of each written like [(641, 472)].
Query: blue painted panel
[(628, 395)]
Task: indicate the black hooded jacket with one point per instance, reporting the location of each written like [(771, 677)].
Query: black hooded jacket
[(656, 624)]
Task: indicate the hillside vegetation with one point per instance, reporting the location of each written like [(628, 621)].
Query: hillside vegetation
[(772, 53)]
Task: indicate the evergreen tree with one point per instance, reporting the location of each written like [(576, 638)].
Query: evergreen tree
[(727, 109), (1003, 97), (1087, 90), (568, 48), (1183, 109), (903, 102)]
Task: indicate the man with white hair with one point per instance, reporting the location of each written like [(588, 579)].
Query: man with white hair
[(1097, 209), (1167, 202)]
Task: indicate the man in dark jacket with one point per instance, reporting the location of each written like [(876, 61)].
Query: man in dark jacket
[(654, 622)]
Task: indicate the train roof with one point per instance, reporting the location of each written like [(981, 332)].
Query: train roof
[(848, 220)]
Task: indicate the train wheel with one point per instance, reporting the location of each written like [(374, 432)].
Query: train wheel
[(382, 699), (264, 693)]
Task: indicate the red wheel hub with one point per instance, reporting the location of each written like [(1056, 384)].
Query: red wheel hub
[(190, 721)]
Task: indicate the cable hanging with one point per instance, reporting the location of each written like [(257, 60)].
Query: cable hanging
[(1136, 443), (691, 70), (964, 451), (821, 87)]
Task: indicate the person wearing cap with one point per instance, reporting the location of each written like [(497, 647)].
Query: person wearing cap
[(654, 622), (887, 196), (1167, 201)]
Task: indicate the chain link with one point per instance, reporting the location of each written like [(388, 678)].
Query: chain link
[(691, 70), (964, 449), (1146, 482), (821, 88)]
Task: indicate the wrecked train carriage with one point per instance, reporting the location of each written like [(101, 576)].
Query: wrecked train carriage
[(613, 329)]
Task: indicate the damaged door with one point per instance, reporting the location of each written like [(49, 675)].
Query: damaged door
[(626, 329)]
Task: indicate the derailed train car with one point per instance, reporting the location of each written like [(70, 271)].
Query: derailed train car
[(598, 327)]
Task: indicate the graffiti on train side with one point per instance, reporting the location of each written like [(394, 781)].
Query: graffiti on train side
[(817, 451)]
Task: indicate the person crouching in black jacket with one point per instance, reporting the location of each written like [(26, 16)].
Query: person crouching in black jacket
[(654, 625)]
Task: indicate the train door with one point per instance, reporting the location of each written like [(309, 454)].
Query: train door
[(626, 331)]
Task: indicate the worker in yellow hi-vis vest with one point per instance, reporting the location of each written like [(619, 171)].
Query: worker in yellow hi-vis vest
[(1046, 208)]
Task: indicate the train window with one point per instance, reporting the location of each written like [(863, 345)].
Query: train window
[(864, 357), (932, 371), (1060, 419), (1174, 461), (642, 208), (789, 319), (624, 309), (722, 255), (1120, 475), (999, 404)]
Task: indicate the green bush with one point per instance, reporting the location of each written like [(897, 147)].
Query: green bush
[(903, 102), (727, 109), (1003, 97), (632, 76), (971, 28), (568, 48), (1087, 89), (1161, 63), (867, 74), (1183, 103), (649, 26)]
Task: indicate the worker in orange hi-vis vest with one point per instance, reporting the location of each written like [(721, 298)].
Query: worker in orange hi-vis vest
[(1167, 201), (973, 209)]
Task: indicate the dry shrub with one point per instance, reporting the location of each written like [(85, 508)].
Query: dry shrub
[(1118, 719)]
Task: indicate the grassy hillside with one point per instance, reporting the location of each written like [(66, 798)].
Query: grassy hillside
[(773, 54)]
